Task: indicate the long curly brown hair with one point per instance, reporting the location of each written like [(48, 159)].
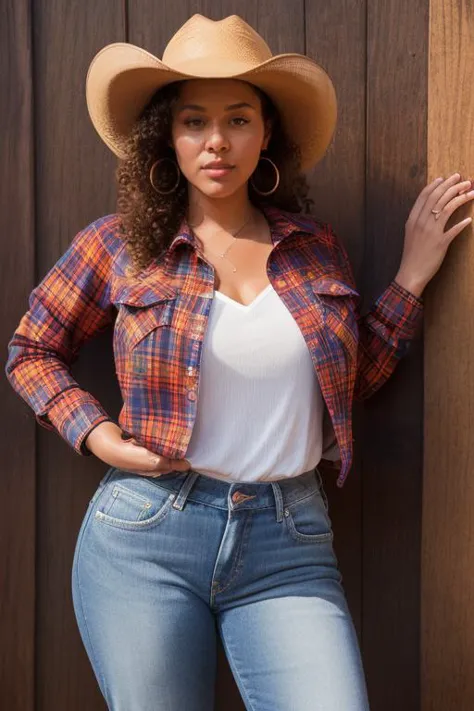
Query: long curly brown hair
[(150, 220)]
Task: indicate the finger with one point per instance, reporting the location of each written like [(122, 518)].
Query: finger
[(438, 193), (457, 229), (451, 193), (181, 465), (421, 199), (470, 186), (454, 205), (159, 464)]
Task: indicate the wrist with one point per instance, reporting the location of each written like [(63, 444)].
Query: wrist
[(411, 283), (102, 437)]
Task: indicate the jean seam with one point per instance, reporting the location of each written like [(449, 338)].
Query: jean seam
[(81, 602), (235, 671), (237, 567)]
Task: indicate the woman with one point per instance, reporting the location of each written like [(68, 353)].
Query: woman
[(238, 348)]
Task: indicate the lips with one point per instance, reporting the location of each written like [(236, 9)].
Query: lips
[(216, 165)]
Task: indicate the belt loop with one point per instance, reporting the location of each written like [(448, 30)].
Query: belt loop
[(183, 493), (278, 501)]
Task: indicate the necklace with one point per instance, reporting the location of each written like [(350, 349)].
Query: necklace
[(223, 255)]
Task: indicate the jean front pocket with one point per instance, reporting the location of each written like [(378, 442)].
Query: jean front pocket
[(134, 505), (307, 520)]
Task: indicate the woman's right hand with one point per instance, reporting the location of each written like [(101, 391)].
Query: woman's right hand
[(106, 442)]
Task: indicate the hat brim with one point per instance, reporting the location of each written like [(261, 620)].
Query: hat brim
[(122, 78)]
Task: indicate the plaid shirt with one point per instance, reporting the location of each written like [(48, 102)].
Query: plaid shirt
[(160, 321)]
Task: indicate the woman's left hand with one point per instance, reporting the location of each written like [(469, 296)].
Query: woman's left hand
[(426, 241)]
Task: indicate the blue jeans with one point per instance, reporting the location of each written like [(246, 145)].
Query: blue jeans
[(164, 565)]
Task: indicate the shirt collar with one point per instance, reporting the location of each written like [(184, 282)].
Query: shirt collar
[(282, 224)]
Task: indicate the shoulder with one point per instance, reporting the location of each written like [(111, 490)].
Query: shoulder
[(307, 225), (103, 233), (100, 247), (312, 233), (319, 244)]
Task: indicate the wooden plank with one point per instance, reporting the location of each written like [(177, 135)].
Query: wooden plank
[(392, 450), (17, 444), (448, 485), (342, 173), (75, 185)]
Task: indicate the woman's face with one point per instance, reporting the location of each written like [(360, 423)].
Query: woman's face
[(218, 133)]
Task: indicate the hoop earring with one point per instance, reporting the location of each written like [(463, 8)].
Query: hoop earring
[(277, 179), (152, 170)]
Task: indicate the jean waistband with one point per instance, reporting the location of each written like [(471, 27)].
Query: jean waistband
[(193, 486)]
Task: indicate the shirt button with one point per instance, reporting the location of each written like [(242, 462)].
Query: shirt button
[(192, 395), (281, 282)]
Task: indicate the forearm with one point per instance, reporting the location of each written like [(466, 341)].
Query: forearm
[(45, 382), (385, 335), (104, 439)]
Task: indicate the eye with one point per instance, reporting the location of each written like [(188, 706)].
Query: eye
[(240, 121), (194, 122)]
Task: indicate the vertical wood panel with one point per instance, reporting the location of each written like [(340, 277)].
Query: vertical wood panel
[(448, 484), (392, 449), (330, 26), (74, 185), (17, 444)]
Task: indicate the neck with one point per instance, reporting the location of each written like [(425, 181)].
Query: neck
[(219, 213)]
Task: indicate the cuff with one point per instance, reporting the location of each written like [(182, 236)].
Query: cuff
[(399, 309), (74, 414)]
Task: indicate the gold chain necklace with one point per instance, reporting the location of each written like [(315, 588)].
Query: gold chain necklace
[(223, 255)]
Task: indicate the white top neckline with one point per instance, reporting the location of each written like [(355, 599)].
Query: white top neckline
[(245, 307)]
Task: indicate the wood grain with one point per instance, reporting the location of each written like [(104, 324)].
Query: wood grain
[(397, 46), (448, 483), (17, 441)]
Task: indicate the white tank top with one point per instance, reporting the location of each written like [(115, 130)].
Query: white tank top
[(260, 409)]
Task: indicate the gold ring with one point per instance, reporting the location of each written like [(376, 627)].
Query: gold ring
[(435, 212)]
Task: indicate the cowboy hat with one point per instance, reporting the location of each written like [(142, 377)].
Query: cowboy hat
[(122, 79)]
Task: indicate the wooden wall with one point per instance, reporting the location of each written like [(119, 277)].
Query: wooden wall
[(448, 486), (58, 177)]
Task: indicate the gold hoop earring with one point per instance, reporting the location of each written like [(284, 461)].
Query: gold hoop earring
[(277, 179), (152, 170)]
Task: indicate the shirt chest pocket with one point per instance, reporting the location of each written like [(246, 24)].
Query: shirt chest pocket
[(143, 326), (339, 305)]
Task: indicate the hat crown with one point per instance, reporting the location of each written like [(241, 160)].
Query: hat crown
[(202, 42)]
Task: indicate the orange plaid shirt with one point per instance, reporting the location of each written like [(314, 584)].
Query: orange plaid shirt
[(160, 318)]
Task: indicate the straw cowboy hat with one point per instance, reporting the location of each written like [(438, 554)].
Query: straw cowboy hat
[(122, 79)]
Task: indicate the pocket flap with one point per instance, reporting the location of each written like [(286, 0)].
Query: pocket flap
[(142, 294), (333, 287)]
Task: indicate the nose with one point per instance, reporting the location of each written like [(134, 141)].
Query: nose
[(217, 141)]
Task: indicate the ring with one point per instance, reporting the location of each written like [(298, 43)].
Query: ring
[(435, 212)]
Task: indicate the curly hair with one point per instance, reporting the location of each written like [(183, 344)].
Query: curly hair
[(150, 220)]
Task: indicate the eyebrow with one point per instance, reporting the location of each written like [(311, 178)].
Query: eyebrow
[(232, 107)]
